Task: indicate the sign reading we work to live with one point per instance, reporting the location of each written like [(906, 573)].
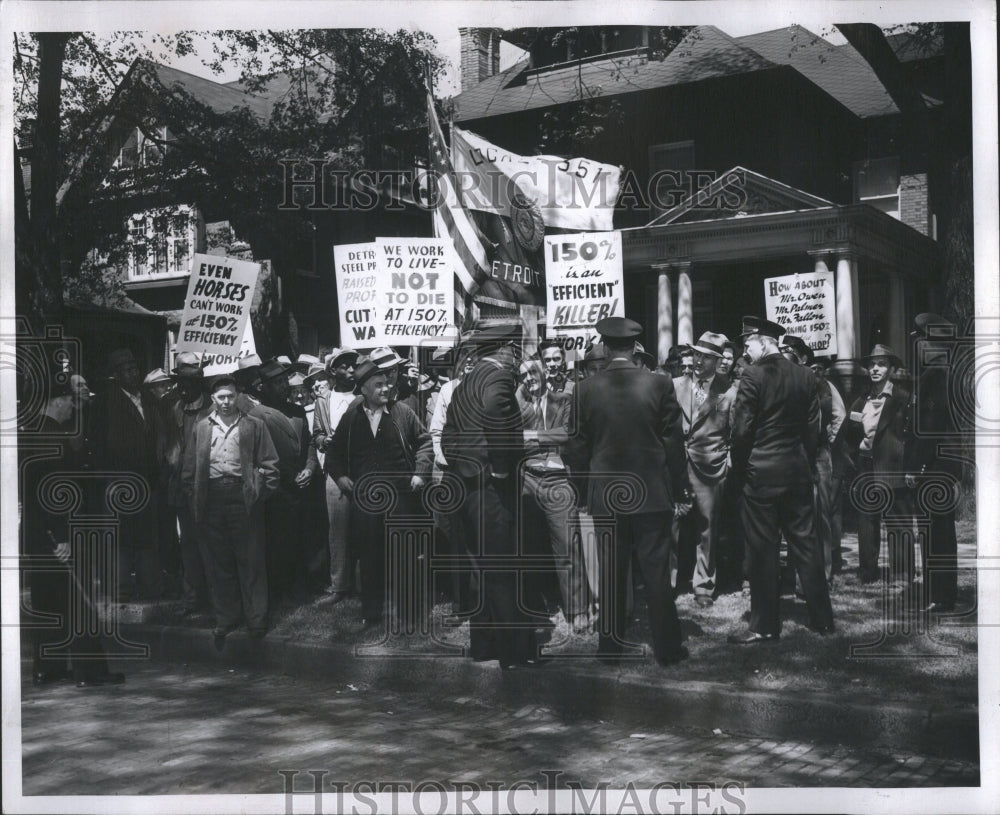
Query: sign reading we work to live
[(217, 308)]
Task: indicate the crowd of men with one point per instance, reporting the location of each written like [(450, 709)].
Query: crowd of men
[(554, 491)]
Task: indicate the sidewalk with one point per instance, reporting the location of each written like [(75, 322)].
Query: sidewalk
[(888, 677)]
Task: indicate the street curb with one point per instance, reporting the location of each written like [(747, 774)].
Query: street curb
[(593, 691)]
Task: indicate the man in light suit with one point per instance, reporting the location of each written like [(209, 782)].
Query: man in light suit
[(706, 402), (626, 452), (229, 470), (776, 428)]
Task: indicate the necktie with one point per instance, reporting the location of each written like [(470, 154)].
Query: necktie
[(700, 393)]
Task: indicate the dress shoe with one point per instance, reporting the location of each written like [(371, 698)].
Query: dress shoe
[(823, 630), (673, 657), (938, 608), (704, 600), (331, 598), (49, 677), (617, 660), (101, 679), (219, 637), (751, 638), (257, 634), (530, 662), (370, 622)]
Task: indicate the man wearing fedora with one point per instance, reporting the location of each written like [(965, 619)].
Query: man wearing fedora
[(126, 441), (776, 427), (375, 443), (706, 402), (625, 428), (875, 438), (931, 424), (292, 552), (230, 469), (329, 410), (192, 405)]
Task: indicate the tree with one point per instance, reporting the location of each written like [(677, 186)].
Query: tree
[(339, 93)]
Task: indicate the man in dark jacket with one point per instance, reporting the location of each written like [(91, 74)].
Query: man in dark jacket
[(483, 443), (377, 447), (626, 451), (776, 427), (126, 442), (57, 469), (230, 469), (875, 439), (931, 424)]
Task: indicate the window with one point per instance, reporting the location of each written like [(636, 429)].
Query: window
[(876, 183), (133, 149), (161, 242)]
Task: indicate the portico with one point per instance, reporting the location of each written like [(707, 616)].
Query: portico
[(700, 267)]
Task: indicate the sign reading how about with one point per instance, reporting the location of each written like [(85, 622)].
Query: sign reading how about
[(217, 310), (583, 275), (356, 269), (806, 306), (416, 291)]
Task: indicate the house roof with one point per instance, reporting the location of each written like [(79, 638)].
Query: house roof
[(219, 97), (839, 70), (911, 47), (705, 53)]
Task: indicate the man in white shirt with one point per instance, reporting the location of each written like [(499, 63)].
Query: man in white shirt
[(328, 413)]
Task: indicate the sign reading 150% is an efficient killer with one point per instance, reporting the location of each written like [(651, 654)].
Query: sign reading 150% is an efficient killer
[(583, 276)]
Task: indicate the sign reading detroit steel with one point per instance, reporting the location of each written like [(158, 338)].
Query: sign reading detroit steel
[(356, 266), (806, 306), (217, 308), (583, 275)]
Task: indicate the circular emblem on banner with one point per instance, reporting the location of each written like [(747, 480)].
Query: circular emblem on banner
[(529, 228)]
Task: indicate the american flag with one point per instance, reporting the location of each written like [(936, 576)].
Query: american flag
[(452, 219)]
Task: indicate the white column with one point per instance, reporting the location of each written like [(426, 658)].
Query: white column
[(685, 326), (847, 306), (664, 316)]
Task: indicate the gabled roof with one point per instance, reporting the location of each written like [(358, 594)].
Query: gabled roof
[(757, 193), (839, 70), (705, 53), (219, 97)]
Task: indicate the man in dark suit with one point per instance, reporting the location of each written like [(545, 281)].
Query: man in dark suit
[(626, 450), (706, 402), (875, 440), (230, 469), (932, 423), (483, 443), (126, 442), (291, 551), (776, 427)]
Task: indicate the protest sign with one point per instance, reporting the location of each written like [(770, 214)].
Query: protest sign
[(215, 364), (583, 276), (217, 310), (356, 270), (806, 306), (416, 291)]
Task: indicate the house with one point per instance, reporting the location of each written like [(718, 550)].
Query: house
[(749, 157)]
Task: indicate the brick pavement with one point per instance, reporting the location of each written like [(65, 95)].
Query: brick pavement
[(185, 729)]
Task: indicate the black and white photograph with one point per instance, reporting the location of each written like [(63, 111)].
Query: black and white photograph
[(516, 407)]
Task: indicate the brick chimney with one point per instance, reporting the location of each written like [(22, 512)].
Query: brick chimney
[(480, 55)]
